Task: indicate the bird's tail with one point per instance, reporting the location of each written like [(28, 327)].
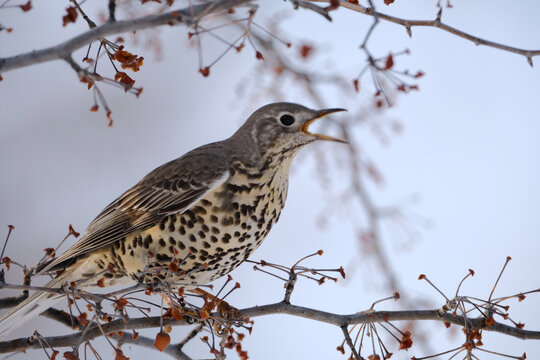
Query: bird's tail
[(32, 306)]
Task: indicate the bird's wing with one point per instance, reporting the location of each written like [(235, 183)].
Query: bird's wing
[(172, 188)]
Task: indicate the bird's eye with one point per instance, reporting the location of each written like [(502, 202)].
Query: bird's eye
[(286, 120)]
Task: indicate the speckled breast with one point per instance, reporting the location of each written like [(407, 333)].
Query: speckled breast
[(212, 237)]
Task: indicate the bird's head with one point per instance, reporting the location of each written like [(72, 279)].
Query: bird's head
[(283, 128)]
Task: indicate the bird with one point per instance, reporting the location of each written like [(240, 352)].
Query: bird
[(205, 211)]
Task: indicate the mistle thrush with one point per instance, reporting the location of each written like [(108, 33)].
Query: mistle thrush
[(209, 210)]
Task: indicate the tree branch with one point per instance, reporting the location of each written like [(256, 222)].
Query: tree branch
[(349, 341), (273, 309), (190, 15), (172, 350), (408, 24), (186, 16)]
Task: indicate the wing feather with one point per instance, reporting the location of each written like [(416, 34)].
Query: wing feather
[(167, 190)]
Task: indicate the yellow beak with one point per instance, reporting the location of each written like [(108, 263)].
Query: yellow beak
[(321, 114)]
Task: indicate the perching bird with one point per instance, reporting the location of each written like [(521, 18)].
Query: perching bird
[(206, 211)]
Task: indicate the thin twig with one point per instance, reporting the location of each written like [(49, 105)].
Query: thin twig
[(349, 342), (437, 23), (91, 24), (190, 336), (11, 228), (185, 16)]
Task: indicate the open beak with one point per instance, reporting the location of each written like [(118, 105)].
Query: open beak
[(321, 114)]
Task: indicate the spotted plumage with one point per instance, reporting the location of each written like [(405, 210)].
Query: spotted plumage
[(191, 220)]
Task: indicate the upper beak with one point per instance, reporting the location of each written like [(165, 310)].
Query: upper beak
[(321, 114)]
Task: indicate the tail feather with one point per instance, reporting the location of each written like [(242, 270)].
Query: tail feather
[(31, 307)]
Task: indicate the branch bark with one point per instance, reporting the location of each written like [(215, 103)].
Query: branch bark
[(191, 14), (172, 350), (273, 309), (185, 16), (437, 23)]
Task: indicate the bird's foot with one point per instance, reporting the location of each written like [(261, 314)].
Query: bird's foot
[(212, 302), (228, 311)]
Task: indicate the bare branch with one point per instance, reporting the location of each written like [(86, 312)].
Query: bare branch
[(91, 24), (384, 316), (112, 10), (274, 309), (11, 228), (190, 15), (349, 341), (172, 350), (92, 333), (190, 336), (186, 16), (408, 24), (309, 6)]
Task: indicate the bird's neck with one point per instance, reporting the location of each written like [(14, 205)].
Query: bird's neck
[(258, 161)]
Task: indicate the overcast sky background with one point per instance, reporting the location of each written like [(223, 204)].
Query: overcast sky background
[(469, 149)]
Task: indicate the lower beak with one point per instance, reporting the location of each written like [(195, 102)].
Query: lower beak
[(321, 114)]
